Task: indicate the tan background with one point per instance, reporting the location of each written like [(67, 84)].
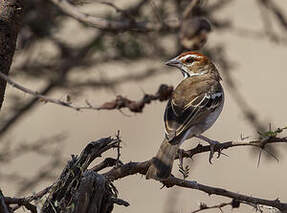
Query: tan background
[(260, 71)]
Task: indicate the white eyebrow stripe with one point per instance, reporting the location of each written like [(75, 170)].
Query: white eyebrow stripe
[(189, 55)]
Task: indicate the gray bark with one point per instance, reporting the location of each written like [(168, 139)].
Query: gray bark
[(11, 12)]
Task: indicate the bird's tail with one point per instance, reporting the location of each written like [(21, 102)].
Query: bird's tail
[(161, 165)]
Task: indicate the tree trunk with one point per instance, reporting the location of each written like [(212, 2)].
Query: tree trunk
[(11, 12)]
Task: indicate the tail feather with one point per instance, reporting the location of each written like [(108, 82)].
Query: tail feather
[(161, 164)]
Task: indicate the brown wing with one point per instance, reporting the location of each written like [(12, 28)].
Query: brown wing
[(192, 101)]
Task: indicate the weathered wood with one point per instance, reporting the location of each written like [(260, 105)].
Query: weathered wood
[(80, 191)]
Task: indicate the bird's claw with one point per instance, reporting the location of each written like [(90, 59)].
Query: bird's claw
[(212, 148)]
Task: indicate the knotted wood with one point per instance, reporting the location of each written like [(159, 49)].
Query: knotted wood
[(78, 190)]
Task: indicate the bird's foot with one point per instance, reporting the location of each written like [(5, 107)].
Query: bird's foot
[(213, 144)]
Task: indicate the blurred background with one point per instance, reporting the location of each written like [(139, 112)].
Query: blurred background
[(66, 59)]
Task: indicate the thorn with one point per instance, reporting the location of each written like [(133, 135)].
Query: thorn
[(259, 157)]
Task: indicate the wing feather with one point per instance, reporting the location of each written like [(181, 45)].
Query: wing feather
[(179, 119)]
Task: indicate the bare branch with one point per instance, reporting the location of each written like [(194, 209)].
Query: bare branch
[(164, 92), (21, 202), (269, 4), (132, 168), (104, 24), (70, 178), (226, 145), (141, 168), (203, 206)]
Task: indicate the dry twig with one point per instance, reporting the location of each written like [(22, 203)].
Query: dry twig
[(164, 92)]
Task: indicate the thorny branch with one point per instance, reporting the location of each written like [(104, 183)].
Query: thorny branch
[(81, 163), (203, 206), (164, 92)]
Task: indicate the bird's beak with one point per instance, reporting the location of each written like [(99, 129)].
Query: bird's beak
[(174, 63)]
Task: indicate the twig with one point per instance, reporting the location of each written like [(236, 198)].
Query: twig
[(120, 202), (125, 13), (36, 94), (79, 164), (141, 168), (35, 196), (269, 4), (104, 24), (189, 8), (203, 206), (132, 168), (164, 92), (21, 202), (244, 106), (108, 162), (118, 148), (226, 145), (65, 66), (61, 194)]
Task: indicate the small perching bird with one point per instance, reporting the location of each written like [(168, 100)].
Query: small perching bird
[(193, 108)]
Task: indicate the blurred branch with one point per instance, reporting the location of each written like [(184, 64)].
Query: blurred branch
[(127, 24), (64, 67), (25, 108), (11, 13), (272, 7), (45, 173), (249, 113), (41, 146)]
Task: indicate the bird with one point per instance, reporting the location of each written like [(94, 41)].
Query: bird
[(194, 106), (194, 32)]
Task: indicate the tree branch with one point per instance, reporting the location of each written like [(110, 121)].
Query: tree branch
[(21, 202), (164, 92), (104, 24), (76, 181), (132, 168)]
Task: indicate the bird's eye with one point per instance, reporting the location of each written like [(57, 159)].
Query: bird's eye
[(189, 60)]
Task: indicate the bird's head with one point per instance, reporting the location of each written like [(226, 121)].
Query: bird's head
[(192, 64)]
